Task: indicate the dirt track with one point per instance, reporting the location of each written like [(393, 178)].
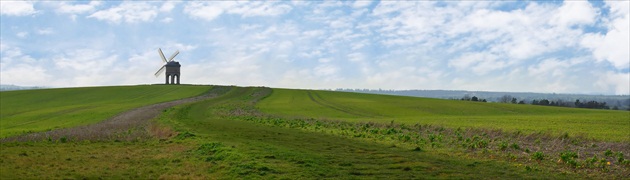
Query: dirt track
[(129, 125)]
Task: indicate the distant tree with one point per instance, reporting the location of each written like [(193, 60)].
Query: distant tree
[(484, 100), (505, 99), (544, 102), (474, 98), (466, 97), (513, 101), (521, 102)]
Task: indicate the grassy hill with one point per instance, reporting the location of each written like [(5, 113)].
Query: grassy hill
[(46, 109), (600, 124), (263, 133)]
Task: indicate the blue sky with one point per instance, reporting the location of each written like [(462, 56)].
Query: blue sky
[(533, 46)]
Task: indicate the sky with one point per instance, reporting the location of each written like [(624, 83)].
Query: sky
[(514, 46)]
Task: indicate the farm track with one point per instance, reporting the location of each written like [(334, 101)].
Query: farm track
[(129, 125), (321, 101)]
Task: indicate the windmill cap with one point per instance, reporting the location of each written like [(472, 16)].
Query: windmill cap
[(173, 64)]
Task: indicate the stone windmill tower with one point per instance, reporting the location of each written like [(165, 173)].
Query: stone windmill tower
[(171, 67)]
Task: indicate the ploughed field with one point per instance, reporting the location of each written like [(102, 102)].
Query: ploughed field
[(258, 132)]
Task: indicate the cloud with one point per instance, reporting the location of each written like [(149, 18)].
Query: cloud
[(260, 8), (168, 6), (37, 75), (616, 81), (574, 13), (211, 10), (204, 10), (129, 12), (13, 64), (614, 44), (22, 34), (17, 8), (45, 31), (361, 4), (68, 8), (479, 63), (167, 20)]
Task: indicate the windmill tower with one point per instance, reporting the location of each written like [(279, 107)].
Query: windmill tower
[(171, 67)]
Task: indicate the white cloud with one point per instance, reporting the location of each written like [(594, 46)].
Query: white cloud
[(619, 83), (211, 10), (129, 12), (548, 66), (259, 8), (65, 7), (574, 13), (85, 61), (17, 8), (22, 34), (361, 4), (20, 69), (36, 75), (204, 10), (45, 31), (612, 46), (479, 63), (167, 20), (325, 70), (168, 6)]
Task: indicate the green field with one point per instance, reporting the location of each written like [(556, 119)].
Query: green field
[(46, 109), (600, 124), (263, 133)]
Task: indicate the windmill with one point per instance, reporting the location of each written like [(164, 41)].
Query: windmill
[(172, 68)]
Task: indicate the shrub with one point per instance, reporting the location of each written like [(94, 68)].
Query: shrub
[(63, 139), (567, 155), (209, 148), (569, 158), (515, 146), (503, 146), (608, 153), (184, 135), (538, 156)]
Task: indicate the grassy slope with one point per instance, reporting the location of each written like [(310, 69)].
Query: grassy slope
[(600, 124), (227, 149), (40, 110), (228, 146), (251, 150)]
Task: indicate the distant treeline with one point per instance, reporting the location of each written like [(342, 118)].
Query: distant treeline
[(4, 87), (560, 103), (547, 99)]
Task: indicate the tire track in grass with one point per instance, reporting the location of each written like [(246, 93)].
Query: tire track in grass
[(249, 150), (321, 101)]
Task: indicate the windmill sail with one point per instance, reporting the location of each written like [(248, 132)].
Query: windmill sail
[(173, 56), (162, 55), (160, 71)]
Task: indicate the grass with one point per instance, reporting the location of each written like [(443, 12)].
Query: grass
[(354, 107), (260, 133), (47, 109), (231, 136), (98, 160)]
